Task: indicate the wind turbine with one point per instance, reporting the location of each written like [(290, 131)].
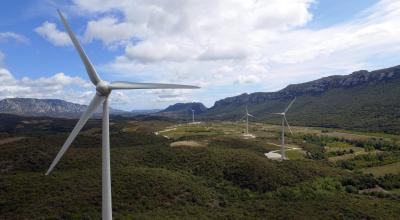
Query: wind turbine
[(192, 115), (284, 120), (103, 91), (247, 119)]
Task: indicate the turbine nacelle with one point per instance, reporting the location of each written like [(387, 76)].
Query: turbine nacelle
[(103, 88), (281, 114)]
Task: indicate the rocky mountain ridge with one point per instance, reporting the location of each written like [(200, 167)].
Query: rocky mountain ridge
[(183, 110), (44, 107), (315, 87)]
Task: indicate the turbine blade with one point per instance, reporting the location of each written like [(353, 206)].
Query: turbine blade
[(132, 85), (288, 124), (85, 59), (94, 104), (271, 113), (290, 105), (242, 118), (251, 115)]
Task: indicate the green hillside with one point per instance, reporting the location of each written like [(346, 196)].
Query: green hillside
[(363, 101), (230, 178)]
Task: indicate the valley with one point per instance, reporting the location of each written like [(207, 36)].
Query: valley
[(166, 169)]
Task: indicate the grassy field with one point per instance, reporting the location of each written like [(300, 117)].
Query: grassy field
[(383, 170), (296, 154), (166, 170)]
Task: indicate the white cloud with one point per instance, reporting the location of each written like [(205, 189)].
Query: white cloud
[(57, 81), (108, 30), (59, 86), (50, 32), (211, 29), (5, 75), (166, 51), (247, 79), (14, 36), (168, 95)]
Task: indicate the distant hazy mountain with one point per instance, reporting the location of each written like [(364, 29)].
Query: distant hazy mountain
[(145, 111), (44, 107), (183, 110), (361, 100)]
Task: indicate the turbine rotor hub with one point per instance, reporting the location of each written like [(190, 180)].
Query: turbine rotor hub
[(103, 89)]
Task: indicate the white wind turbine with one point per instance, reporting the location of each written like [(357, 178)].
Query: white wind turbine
[(246, 115), (284, 120), (103, 90), (192, 115)]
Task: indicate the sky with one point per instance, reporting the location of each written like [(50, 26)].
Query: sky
[(227, 47)]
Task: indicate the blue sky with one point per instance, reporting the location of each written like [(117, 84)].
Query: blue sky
[(228, 47), (331, 12)]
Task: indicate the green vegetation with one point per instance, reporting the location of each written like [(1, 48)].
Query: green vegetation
[(295, 154), (372, 160), (228, 178), (383, 170), (375, 108)]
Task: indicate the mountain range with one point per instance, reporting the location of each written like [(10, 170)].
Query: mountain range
[(361, 100), (45, 107), (183, 110)]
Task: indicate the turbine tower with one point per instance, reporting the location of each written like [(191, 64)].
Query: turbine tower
[(284, 120), (103, 91), (192, 115), (247, 120)]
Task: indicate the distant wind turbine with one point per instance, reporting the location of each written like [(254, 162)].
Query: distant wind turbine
[(284, 120), (246, 115), (103, 90), (192, 115)]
